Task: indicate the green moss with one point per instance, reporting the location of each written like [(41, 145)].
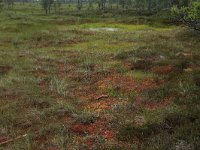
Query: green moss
[(140, 75)]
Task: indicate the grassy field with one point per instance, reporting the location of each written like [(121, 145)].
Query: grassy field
[(97, 81)]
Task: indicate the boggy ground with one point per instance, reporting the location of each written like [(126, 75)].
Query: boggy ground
[(65, 86)]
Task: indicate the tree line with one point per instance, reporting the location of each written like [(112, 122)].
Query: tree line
[(141, 6), (185, 11)]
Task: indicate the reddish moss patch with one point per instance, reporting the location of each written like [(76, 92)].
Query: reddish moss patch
[(66, 69), (68, 53), (52, 148), (43, 84), (81, 32), (153, 105), (4, 69), (101, 105), (184, 54), (75, 40), (41, 138), (109, 134), (126, 84), (147, 84), (89, 142), (157, 105), (40, 73), (100, 127), (3, 139), (163, 69), (141, 64), (9, 95)]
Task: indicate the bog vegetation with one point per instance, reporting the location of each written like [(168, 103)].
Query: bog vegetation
[(100, 74)]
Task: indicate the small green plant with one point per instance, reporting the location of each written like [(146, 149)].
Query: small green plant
[(188, 15), (1, 5), (160, 93), (115, 92), (140, 75), (59, 85), (86, 117)]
